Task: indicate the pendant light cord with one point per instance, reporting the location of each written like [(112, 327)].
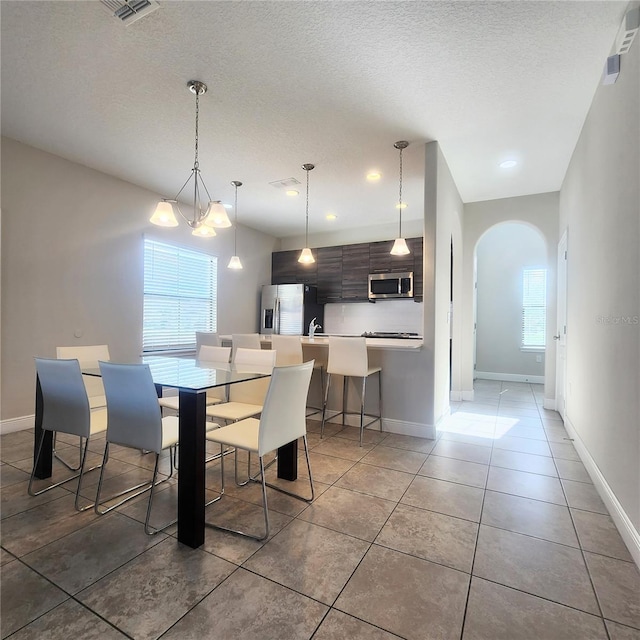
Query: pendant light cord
[(306, 228), (235, 226), (400, 197)]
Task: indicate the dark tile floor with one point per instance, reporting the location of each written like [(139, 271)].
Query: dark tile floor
[(492, 532)]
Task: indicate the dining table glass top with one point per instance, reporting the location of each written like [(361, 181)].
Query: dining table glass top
[(194, 374)]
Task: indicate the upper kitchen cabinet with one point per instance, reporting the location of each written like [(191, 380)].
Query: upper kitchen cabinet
[(355, 272), (329, 261), (341, 273), (285, 269), (381, 260)]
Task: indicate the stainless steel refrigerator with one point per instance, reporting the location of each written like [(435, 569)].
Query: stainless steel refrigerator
[(289, 308)]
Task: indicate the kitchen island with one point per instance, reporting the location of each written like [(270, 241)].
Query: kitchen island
[(404, 383)]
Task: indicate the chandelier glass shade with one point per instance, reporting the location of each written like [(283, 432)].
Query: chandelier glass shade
[(400, 245), (203, 212), (235, 263), (306, 257)]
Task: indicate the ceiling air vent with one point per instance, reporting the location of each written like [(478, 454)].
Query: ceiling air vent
[(285, 184), (128, 11)]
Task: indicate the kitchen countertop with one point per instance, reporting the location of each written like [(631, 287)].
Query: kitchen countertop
[(372, 343)]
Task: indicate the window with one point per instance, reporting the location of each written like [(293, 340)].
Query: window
[(534, 308), (180, 296)]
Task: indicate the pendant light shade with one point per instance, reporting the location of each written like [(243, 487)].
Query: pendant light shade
[(235, 263), (164, 216), (217, 216), (306, 257), (400, 245), (165, 213)]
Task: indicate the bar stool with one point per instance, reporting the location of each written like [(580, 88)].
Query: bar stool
[(289, 351), (348, 358)]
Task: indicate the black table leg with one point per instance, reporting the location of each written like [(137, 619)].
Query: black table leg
[(44, 464), (191, 477), (288, 461)]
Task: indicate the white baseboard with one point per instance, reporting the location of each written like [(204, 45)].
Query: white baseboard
[(467, 396), (455, 396), (549, 403), (629, 533), (409, 428), (509, 377), (16, 424)]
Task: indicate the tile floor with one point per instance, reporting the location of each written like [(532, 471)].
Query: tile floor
[(494, 531)]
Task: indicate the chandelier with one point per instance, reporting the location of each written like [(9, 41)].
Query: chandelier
[(400, 245), (202, 218)]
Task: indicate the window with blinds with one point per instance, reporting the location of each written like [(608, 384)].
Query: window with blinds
[(534, 308), (180, 296)]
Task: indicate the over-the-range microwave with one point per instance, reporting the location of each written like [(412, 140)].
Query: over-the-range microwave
[(391, 285)]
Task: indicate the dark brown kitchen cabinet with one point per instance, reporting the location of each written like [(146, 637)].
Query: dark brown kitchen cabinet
[(355, 272), (341, 273), (285, 269), (329, 261)]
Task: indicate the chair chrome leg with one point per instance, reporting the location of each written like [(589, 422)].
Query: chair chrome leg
[(364, 383), (33, 493), (265, 509), (221, 455), (150, 531), (297, 495), (60, 459), (324, 405), (345, 384), (147, 486)]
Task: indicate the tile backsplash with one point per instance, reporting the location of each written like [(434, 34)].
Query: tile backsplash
[(384, 315)]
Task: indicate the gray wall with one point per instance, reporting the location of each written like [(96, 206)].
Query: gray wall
[(72, 261), (502, 253), (599, 207)]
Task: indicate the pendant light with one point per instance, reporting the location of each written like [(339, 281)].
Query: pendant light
[(306, 257), (235, 263), (400, 245), (214, 214)]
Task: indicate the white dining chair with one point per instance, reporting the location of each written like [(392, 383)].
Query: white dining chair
[(65, 409), (244, 341), (289, 351), (209, 338), (88, 357), (134, 420), (208, 353), (348, 358), (282, 421), (245, 398)]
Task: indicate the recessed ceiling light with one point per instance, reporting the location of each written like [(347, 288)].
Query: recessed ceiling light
[(374, 176), (331, 216), (401, 206), (292, 192), (508, 164)]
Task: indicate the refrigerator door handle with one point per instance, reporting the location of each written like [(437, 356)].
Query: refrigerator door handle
[(276, 320)]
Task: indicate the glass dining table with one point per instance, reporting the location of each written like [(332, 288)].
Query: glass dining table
[(191, 378)]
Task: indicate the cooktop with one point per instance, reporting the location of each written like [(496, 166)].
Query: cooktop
[(391, 334)]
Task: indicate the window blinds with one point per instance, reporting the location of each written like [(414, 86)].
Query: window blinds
[(534, 307), (180, 296)]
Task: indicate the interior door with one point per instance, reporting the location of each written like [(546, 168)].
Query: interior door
[(561, 328)]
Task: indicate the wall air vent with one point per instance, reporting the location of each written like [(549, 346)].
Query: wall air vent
[(285, 184), (128, 11)]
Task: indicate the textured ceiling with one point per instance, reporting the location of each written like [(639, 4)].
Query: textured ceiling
[(332, 83)]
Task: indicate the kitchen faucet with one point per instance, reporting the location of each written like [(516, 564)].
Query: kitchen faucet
[(313, 326)]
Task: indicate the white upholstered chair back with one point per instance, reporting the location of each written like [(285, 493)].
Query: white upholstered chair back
[(253, 391), (348, 356), (288, 349), (88, 356)]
